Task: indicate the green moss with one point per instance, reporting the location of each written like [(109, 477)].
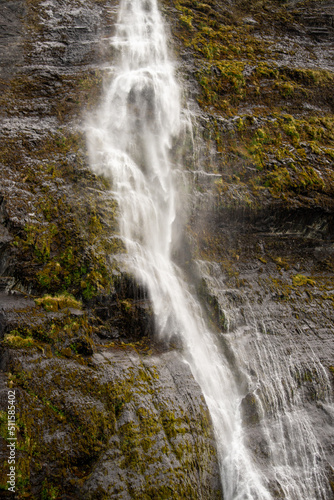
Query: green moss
[(75, 332), (237, 70), (282, 291), (130, 438), (59, 253), (49, 491), (286, 139), (39, 238), (87, 419), (220, 78), (311, 77), (172, 425), (301, 280), (58, 302), (79, 90), (12, 340), (54, 242), (186, 21)]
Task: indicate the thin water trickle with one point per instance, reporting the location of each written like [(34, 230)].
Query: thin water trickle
[(130, 142)]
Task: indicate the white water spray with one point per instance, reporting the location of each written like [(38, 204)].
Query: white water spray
[(130, 143)]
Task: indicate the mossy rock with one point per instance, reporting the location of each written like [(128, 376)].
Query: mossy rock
[(118, 424), (58, 302)]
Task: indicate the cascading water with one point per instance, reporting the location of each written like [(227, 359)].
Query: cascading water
[(275, 364), (130, 142)]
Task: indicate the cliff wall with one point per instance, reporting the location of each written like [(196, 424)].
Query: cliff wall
[(97, 395)]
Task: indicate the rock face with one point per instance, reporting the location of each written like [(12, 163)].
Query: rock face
[(48, 237), (104, 411), (259, 78), (115, 425)]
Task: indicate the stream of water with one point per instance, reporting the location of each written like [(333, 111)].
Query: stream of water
[(130, 143)]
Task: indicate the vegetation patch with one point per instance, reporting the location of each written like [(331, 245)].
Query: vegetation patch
[(301, 280), (50, 303), (14, 340)]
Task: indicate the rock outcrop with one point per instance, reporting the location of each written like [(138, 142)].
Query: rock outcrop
[(112, 425)]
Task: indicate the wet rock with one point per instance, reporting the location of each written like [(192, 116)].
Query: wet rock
[(80, 345), (249, 20), (114, 423), (127, 423), (11, 46), (76, 312), (3, 324), (250, 410), (281, 332), (17, 310), (125, 313)]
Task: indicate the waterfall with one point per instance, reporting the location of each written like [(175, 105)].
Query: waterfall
[(130, 142)]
